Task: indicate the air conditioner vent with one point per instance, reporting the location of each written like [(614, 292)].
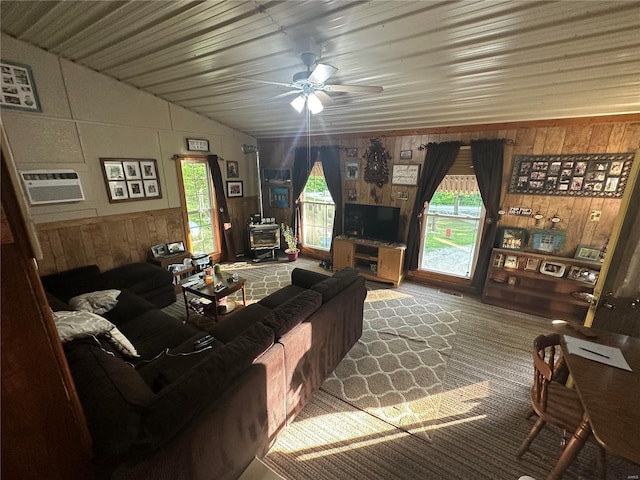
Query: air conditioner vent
[(52, 186)]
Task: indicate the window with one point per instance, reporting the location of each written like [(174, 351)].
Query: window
[(199, 203), (318, 211), (452, 225)]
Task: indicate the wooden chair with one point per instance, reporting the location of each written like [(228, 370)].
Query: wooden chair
[(551, 400)]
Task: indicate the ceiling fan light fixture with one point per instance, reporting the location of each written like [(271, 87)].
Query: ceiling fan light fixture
[(298, 103), (314, 104)]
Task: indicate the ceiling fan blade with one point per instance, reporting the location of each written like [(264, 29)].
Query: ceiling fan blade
[(290, 85), (352, 88), (324, 98), (321, 73), (286, 94)]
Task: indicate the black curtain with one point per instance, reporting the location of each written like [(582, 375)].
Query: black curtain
[(330, 157), (303, 160), (487, 157), (227, 252), (438, 160)]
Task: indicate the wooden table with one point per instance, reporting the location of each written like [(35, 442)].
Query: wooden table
[(609, 396), (207, 290)]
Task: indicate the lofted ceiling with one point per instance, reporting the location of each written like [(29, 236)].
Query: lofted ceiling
[(441, 63)]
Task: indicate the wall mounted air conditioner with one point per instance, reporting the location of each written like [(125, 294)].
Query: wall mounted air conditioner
[(52, 186)]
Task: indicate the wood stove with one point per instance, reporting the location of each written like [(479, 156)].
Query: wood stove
[(264, 240)]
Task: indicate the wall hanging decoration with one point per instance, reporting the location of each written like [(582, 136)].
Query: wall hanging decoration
[(234, 189), (352, 170), (583, 175), (352, 152), (512, 238), (276, 175), (279, 197), (197, 145), (18, 88), (406, 154), (405, 174), (377, 168), (129, 179), (232, 169)]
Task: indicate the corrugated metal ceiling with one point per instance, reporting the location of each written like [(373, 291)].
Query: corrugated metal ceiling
[(441, 63)]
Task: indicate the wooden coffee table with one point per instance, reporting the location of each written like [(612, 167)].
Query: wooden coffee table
[(196, 287)]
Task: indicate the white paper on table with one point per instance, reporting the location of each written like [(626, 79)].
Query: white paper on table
[(596, 352)]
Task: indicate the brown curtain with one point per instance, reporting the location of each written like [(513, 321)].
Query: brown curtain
[(227, 253), (303, 160), (330, 157), (438, 160), (487, 157)]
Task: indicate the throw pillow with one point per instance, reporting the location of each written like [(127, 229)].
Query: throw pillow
[(96, 302), (78, 324)]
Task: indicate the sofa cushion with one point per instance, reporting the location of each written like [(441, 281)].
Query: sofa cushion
[(306, 278), (96, 302), (56, 304), (333, 285), (138, 278), (154, 331), (238, 322), (183, 399), (65, 285), (112, 394), (128, 307), (81, 324), (281, 296), (289, 314)]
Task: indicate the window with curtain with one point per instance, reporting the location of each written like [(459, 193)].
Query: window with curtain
[(453, 222), (318, 210), (198, 200)]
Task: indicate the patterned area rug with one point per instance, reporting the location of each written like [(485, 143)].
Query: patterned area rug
[(396, 370)]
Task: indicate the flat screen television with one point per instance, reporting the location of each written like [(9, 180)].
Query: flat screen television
[(373, 222)]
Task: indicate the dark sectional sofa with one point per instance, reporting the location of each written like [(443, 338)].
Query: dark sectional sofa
[(178, 413)]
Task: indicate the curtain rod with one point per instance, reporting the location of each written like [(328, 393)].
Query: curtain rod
[(507, 141)]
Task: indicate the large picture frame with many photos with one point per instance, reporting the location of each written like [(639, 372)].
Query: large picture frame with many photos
[(580, 175)]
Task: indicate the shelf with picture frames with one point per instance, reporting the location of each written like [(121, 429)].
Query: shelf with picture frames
[(540, 284)]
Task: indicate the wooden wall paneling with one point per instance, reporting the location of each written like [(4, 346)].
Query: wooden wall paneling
[(589, 226), (131, 239), (73, 247), (631, 138), (120, 248), (574, 223), (57, 249), (577, 139), (615, 140), (599, 140), (47, 263), (539, 141), (602, 231), (161, 229), (86, 233), (102, 246), (554, 140)]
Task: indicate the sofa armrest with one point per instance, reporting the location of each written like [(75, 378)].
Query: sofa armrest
[(306, 278)]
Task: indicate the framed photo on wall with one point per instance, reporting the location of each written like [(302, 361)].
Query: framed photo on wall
[(128, 179), (279, 197), (232, 169), (18, 88), (234, 189), (352, 170), (197, 145), (405, 174)]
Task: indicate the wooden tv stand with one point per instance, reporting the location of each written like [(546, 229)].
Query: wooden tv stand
[(375, 260)]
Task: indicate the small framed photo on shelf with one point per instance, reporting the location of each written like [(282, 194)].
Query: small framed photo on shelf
[(553, 269), (548, 241), (510, 261), (532, 264), (512, 238), (234, 189), (498, 260), (585, 252)]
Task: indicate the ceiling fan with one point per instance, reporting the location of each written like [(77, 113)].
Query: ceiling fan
[(310, 86)]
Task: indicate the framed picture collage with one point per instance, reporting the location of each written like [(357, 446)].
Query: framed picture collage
[(585, 175)]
